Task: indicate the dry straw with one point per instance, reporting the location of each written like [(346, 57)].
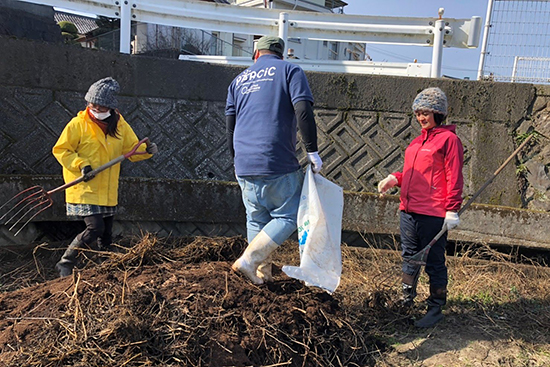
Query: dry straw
[(175, 302)]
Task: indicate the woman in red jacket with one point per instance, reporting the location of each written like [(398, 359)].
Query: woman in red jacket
[(431, 195)]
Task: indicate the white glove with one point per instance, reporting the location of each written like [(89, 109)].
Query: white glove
[(152, 148), (315, 160), (387, 184), (451, 220)]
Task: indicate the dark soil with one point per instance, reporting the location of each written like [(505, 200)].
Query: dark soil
[(171, 303), (176, 302)]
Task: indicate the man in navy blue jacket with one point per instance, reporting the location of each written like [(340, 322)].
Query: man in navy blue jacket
[(266, 104)]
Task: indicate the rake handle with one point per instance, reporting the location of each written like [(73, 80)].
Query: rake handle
[(419, 257), (109, 164)]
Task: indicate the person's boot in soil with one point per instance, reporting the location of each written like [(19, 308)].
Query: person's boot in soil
[(105, 245), (264, 271), (409, 289), (256, 253), (106, 249), (437, 299), (105, 241), (68, 261)]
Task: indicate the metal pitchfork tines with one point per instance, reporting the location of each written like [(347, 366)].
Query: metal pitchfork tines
[(27, 204)]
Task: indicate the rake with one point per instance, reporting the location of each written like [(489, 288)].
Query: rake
[(420, 257), (29, 203)]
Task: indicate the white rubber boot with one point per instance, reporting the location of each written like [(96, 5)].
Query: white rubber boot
[(256, 253), (264, 270)]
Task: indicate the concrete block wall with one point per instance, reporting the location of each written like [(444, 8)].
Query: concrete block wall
[(364, 122)]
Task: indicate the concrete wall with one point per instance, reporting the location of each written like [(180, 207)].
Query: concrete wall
[(28, 21), (364, 122), (534, 167), (193, 207)]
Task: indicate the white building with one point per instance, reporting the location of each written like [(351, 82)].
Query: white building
[(151, 38)]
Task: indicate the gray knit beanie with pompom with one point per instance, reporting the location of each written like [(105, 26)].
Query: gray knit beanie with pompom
[(431, 99), (103, 93)]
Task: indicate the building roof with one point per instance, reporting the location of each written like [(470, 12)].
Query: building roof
[(331, 4), (82, 23)]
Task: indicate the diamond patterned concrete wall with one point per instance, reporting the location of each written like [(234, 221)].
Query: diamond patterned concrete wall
[(358, 147), (191, 135), (364, 122)]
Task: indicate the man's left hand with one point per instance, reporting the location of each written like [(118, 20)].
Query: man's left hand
[(315, 160)]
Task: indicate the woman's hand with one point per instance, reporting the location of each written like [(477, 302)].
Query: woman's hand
[(451, 220), (152, 148), (86, 173), (386, 184)]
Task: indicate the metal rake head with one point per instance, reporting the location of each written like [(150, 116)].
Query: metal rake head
[(419, 258), (24, 207)]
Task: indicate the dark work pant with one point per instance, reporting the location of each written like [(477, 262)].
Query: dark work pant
[(98, 228), (416, 232)]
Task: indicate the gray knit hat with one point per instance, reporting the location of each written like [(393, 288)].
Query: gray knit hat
[(431, 99), (103, 92)]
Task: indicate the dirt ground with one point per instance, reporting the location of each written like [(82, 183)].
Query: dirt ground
[(176, 302)]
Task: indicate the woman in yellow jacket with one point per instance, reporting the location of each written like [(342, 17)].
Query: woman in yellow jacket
[(94, 137)]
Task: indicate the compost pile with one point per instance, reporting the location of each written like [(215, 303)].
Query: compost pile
[(173, 303)]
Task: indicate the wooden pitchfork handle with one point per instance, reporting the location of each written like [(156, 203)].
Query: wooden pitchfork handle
[(420, 257), (104, 167)]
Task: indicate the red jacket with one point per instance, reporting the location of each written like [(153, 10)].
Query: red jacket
[(431, 181)]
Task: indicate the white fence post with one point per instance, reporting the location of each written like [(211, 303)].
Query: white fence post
[(437, 52), (283, 28), (125, 25), (515, 69), (484, 42)]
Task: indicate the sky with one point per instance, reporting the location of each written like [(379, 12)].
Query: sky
[(459, 63)]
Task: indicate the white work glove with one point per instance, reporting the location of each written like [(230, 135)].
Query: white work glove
[(451, 220), (387, 184), (315, 160), (152, 148)]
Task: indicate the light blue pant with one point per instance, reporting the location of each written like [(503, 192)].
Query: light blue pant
[(271, 204)]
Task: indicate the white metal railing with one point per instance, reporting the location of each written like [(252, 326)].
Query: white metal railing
[(430, 32), (531, 70), (355, 67)]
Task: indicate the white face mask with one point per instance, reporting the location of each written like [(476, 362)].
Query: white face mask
[(100, 115)]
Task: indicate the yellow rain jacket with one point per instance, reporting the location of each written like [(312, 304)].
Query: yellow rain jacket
[(82, 143)]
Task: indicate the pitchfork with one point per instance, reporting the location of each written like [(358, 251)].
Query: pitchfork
[(34, 200)]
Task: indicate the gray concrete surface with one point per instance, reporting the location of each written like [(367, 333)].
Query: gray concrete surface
[(205, 204), (364, 125)]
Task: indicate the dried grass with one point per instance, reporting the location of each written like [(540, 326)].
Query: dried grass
[(138, 310)]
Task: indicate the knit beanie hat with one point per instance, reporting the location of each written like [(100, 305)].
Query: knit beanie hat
[(103, 93), (431, 99)]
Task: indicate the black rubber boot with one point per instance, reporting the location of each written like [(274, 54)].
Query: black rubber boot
[(437, 299), (105, 240), (68, 261), (409, 289), (106, 252)]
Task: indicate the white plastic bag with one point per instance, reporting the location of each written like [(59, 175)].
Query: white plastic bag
[(319, 233)]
